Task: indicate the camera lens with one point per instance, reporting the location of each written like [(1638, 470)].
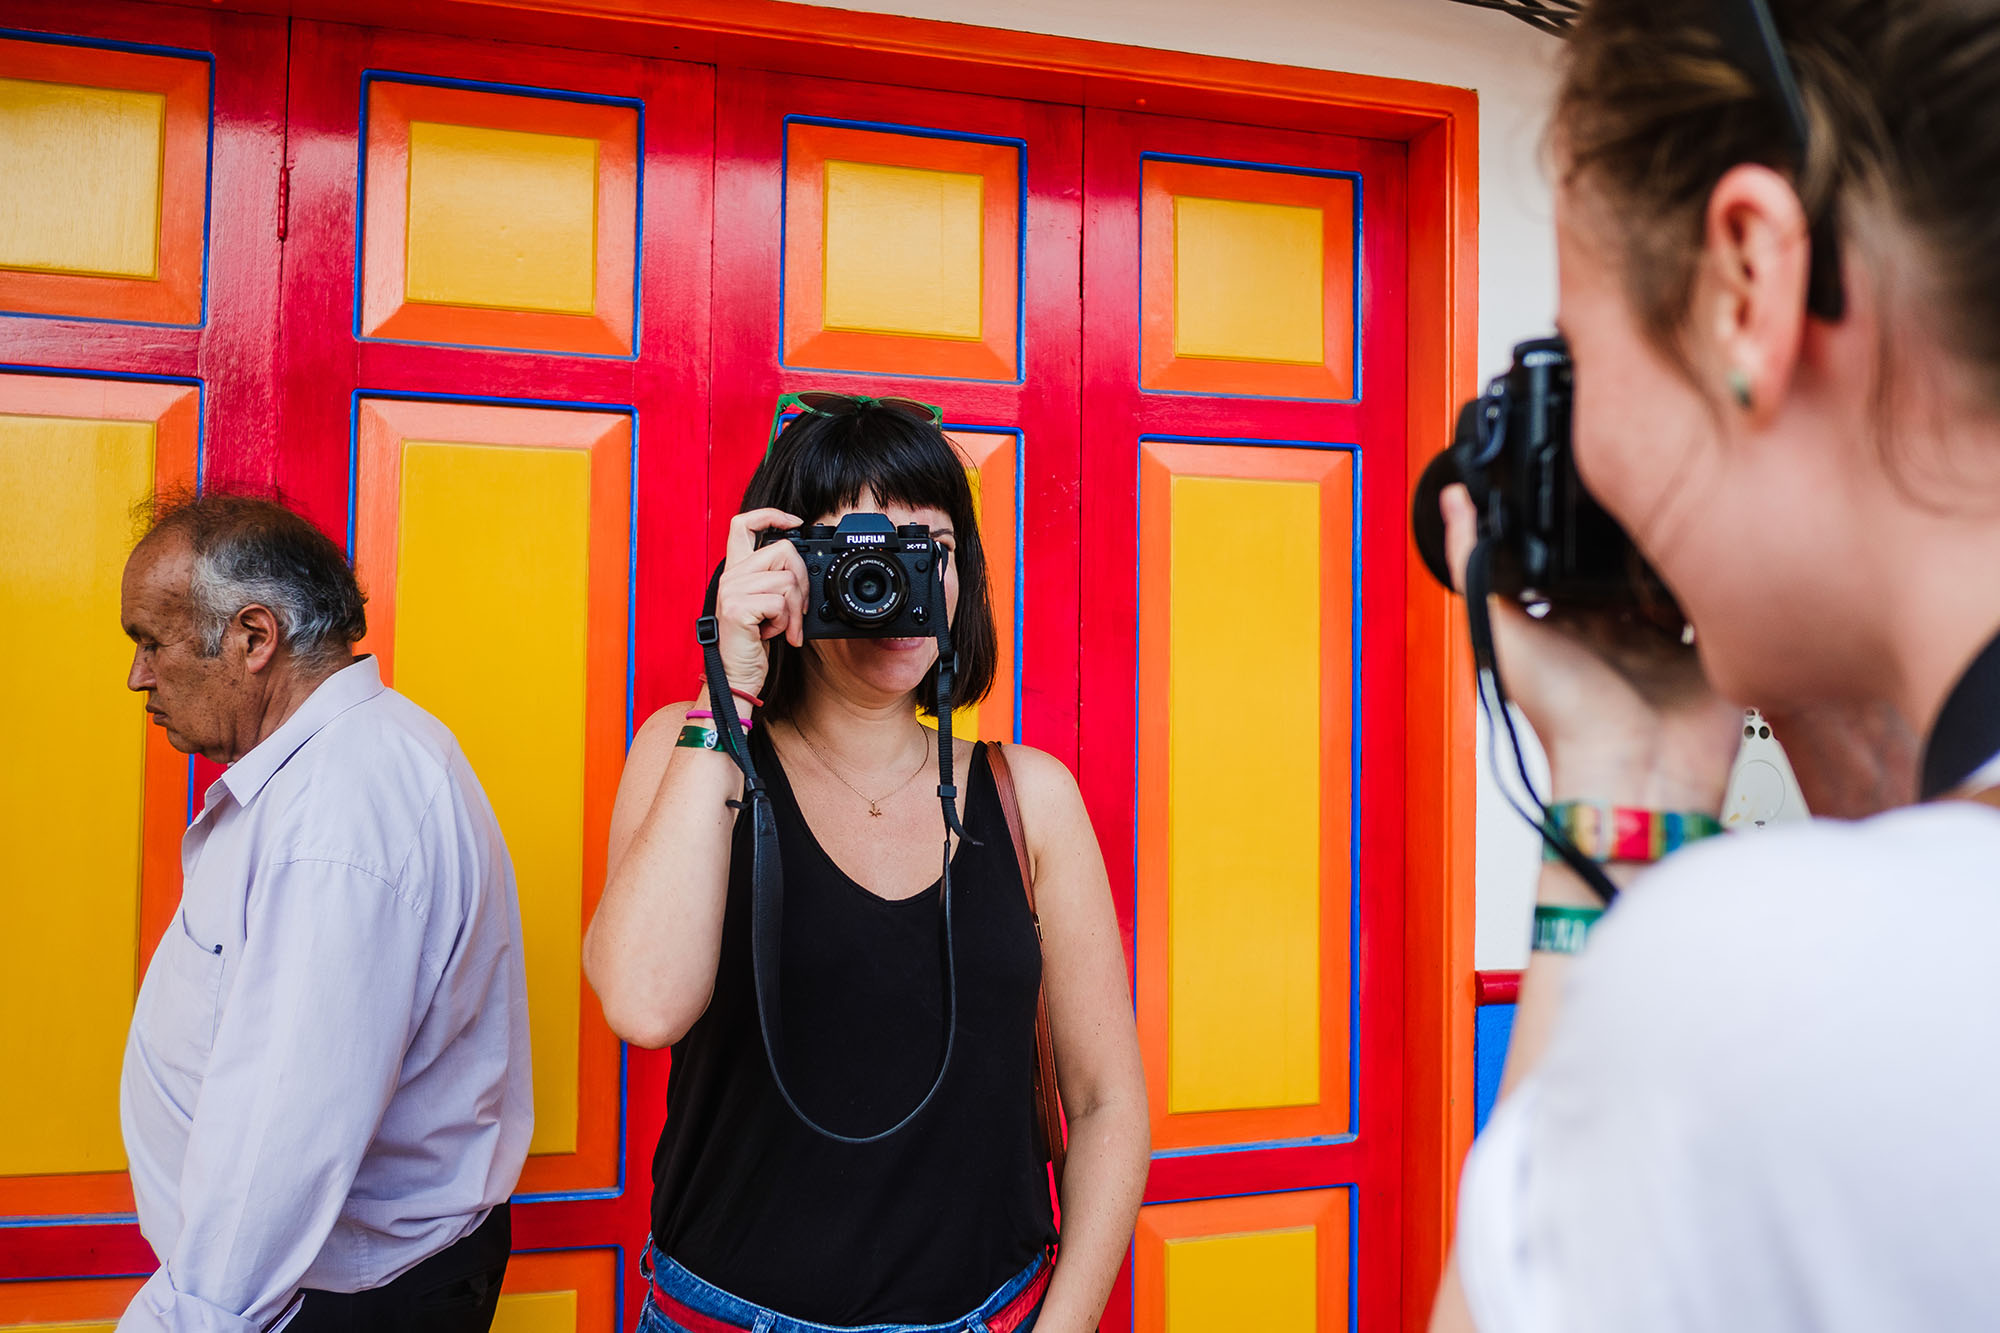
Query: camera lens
[(868, 589)]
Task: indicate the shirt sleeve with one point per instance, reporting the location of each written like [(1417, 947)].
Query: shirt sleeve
[(331, 984)]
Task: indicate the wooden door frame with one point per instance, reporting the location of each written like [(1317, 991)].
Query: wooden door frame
[(1439, 126)]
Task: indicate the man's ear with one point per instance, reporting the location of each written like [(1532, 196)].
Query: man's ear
[(259, 628)]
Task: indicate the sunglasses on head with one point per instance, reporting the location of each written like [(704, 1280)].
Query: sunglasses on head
[(826, 403), (1751, 42)]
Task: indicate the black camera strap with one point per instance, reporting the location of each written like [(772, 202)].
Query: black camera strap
[(1479, 617), (767, 875)]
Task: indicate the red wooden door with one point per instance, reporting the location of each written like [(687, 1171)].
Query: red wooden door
[(138, 318), (495, 345), (1242, 694)]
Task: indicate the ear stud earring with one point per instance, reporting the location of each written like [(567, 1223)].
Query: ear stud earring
[(1739, 388)]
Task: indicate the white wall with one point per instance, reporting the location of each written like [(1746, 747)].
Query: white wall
[(1512, 67)]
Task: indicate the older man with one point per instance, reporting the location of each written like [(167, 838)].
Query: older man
[(326, 1095)]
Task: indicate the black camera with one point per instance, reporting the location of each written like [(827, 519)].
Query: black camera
[(1550, 541), (869, 578)]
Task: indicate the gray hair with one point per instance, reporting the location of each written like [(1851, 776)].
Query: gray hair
[(250, 550)]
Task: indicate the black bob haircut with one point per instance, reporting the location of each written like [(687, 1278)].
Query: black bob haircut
[(821, 463)]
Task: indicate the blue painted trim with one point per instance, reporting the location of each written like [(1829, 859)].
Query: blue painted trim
[(1354, 760), (631, 658), (200, 388), (1349, 1185), (1262, 1145), (1020, 146), (70, 1220), (617, 1249), (207, 174), (369, 79), (1020, 549), (1359, 272), (1353, 1259), (1492, 1031)]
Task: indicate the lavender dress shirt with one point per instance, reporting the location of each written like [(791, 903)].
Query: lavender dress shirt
[(327, 1076)]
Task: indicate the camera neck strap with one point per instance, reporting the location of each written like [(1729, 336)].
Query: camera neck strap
[(1499, 717), (767, 875), (1966, 734)]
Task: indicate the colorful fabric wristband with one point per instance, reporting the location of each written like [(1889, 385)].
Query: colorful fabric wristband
[(1563, 929), (699, 738), (1605, 832)]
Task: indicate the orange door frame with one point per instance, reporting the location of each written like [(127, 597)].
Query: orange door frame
[(1439, 126)]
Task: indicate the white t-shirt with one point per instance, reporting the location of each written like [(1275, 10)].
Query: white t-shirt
[(1772, 1102)]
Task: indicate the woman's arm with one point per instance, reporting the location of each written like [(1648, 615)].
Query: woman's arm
[(651, 949), (1097, 1046)]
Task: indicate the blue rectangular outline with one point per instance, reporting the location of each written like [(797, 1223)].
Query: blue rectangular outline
[(1359, 272), (1353, 788), (1353, 1191), (208, 166), (369, 77), (1020, 146), (631, 612), (200, 466)]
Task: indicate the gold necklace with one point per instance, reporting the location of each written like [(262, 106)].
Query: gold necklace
[(874, 802)]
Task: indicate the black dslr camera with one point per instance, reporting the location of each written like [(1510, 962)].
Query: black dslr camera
[(1551, 542), (869, 579)]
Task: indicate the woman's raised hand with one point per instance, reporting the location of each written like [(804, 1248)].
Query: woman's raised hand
[(761, 596), (1625, 717)]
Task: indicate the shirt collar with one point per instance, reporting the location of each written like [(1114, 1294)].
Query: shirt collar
[(336, 694)]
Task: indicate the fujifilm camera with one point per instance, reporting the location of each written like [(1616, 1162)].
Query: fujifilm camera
[(869, 578), (1551, 542)]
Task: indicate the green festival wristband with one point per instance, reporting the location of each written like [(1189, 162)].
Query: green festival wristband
[(1563, 929), (694, 737)]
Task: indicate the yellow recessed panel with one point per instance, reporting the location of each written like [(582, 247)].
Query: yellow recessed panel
[(502, 219), (82, 172), (70, 805), (536, 1312), (1243, 817), (1262, 1280), (492, 607), (90, 1326), (1249, 281), (903, 250)]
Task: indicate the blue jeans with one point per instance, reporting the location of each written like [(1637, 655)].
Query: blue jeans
[(714, 1303)]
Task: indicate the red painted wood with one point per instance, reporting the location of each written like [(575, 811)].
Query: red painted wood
[(1496, 988), (1115, 415), (325, 365), (113, 1249)]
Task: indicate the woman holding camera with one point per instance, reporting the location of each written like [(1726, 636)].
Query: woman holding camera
[(759, 1220), (1764, 1095)]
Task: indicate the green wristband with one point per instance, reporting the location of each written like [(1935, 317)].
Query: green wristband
[(694, 737), (1563, 929)]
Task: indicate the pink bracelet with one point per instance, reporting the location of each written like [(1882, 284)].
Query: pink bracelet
[(703, 713)]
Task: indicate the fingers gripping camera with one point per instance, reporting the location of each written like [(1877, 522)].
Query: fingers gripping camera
[(869, 578)]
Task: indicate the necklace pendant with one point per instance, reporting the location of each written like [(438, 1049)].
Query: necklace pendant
[(874, 810)]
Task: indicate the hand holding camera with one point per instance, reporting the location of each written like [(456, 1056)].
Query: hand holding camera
[(762, 594)]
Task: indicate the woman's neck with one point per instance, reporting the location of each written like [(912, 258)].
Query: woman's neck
[(865, 733)]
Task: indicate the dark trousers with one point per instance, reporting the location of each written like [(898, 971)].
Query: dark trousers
[(453, 1291)]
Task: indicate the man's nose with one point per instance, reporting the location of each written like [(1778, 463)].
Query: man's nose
[(140, 677)]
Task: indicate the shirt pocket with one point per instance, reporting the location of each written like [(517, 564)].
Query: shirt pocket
[(184, 1001)]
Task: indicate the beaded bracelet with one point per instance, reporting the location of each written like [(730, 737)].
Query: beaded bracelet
[(743, 722)]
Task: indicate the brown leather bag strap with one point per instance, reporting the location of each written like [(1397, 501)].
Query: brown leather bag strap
[(1048, 1097), (1991, 796)]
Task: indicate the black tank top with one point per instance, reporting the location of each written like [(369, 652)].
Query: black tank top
[(920, 1227)]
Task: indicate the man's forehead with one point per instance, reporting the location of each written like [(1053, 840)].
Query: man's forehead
[(160, 567)]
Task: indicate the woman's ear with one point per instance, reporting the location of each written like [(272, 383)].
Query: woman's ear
[(1750, 288)]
